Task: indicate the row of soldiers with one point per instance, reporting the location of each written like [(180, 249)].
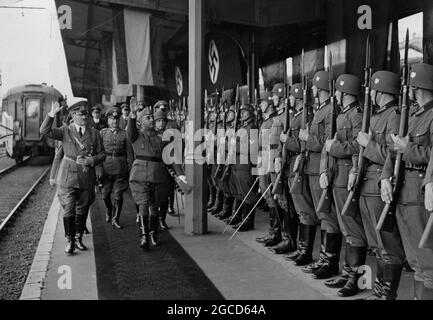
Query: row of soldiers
[(301, 151), (118, 158)]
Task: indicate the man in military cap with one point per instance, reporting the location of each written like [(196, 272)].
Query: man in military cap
[(83, 150), (278, 94), (384, 122), (342, 147), (123, 121), (315, 136), (114, 170), (149, 175), (411, 214), (268, 144), (303, 202), (97, 121)]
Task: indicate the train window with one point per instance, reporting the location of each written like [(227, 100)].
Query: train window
[(415, 25), (33, 107)]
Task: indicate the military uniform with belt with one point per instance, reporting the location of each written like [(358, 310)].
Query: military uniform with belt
[(76, 177), (115, 168), (411, 214)]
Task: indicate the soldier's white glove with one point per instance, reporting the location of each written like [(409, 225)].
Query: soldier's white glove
[(182, 178), (428, 198), (386, 190), (352, 179), (297, 162), (323, 181), (277, 165)]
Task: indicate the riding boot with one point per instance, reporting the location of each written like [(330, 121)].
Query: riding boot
[(69, 226), (161, 218), (322, 255), (295, 254), (81, 221), (391, 280), (117, 210), (355, 257), (330, 267), (218, 203), (249, 222), (267, 237), (144, 231), (154, 230), (235, 207), (275, 228), (342, 279), (378, 283), (109, 206), (212, 196), (227, 208), (307, 243)]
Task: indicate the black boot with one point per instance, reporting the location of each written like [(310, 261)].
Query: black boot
[(161, 219), (269, 236), (218, 204), (162, 224), (144, 231), (249, 222), (355, 257), (391, 280), (81, 223), (212, 196), (154, 230), (289, 235), (69, 226), (322, 255), (307, 243), (79, 242), (109, 206), (276, 218), (227, 208), (330, 267), (378, 283), (295, 254), (117, 210)]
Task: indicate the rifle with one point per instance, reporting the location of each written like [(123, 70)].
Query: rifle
[(257, 108), (326, 197), (386, 220), (228, 167), (278, 187), (220, 168), (427, 236), (298, 181), (353, 197)]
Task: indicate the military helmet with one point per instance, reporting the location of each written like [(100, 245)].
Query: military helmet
[(385, 81), (421, 76), (321, 80), (160, 114), (160, 104), (296, 91), (231, 113), (347, 83), (278, 89), (113, 112), (266, 95), (248, 107)]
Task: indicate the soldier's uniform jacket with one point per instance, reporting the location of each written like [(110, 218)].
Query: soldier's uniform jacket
[(70, 174), (118, 150), (348, 124), (416, 156), (243, 151), (98, 126), (293, 144), (148, 165), (319, 132), (269, 141), (383, 122)]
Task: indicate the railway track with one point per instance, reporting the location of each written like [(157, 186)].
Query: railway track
[(15, 190)]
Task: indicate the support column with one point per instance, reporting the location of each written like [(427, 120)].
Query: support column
[(195, 214)]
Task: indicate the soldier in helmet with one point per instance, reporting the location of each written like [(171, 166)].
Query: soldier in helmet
[(384, 121), (303, 202), (114, 170), (328, 263), (278, 94), (149, 175), (411, 214), (268, 144), (342, 148), (83, 150)]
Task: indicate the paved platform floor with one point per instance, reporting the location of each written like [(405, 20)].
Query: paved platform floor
[(184, 267)]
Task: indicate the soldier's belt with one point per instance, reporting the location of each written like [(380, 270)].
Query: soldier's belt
[(148, 158), (69, 158), (115, 154), (416, 167), (271, 147)]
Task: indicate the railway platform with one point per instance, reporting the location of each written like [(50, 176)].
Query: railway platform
[(207, 267)]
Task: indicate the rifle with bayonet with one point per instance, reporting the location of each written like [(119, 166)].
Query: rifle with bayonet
[(220, 169), (298, 181), (257, 108), (228, 167), (325, 201), (386, 220), (353, 197)]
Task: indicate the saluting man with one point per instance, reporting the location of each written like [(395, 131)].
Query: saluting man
[(411, 214), (83, 150), (115, 168)]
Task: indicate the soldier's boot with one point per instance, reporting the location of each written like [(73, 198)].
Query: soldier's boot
[(81, 219), (235, 211), (220, 208), (236, 218), (276, 238), (79, 242), (295, 254), (306, 256), (162, 216), (227, 208), (268, 236), (117, 210), (218, 203), (170, 209), (212, 196), (289, 243), (391, 280), (154, 230), (162, 224), (249, 222), (342, 279), (109, 206), (144, 232), (426, 293), (137, 217), (355, 257), (330, 267), (322, 255), (378, 283), (69, 226)]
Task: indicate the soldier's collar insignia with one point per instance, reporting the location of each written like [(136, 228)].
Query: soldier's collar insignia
[(424, 108), (376, 81), (342, 83), (413, 74)]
